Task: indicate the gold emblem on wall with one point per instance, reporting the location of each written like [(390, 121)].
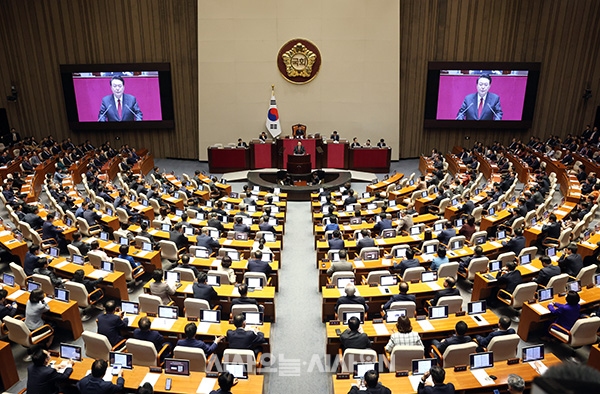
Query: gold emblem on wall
[(299, 61)]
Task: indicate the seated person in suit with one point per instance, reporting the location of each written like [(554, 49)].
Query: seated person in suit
[(42, 378), (509, 276), (191, 341), (144, 333), (516, 243), (255, 264), (176, 235), (448, 290), (124, 254), (503, 329), (458, 338), (240, 338), (366, 241), (226, 382), (206, 241), (402, 296), (439, 260), (351, 298), (204, 291), (336, 242), (351, 338), (438, 375), (468, 228), (82, 246), (566, 314), (370, 384), (185, 263), (43, 269), (95, 384), (571, 262), (32, 257), (243, 299), (547, 272), (464, 264), (335, 136), (239, 226), (160, 288), (6, 308), (332, 225), (342, 265), (355, 143), (112, 322), (225, 266), (263, 225), (408, 262), (448, 232), (384, 223)]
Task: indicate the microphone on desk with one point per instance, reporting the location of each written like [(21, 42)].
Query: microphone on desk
[(491, 109), (137, 116), (461, 113), (104, 113)]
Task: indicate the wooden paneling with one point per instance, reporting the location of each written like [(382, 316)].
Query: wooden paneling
[(563, 35), (36, 36)]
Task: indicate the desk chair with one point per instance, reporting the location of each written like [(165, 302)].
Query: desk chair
[(558, 283), (476, 235), (197, 358), (454, 354), (97, 345), (522, 293), (456, 238), (586, 275), (222, 275), (477, 212), (504, 347), (19, 274), (348, 308), (531, 250), (223, 252), (398, 247), (144, 352), (582, 333), (369, 249), (100, 201), (131, 274), (410, 306), (47, 285), (576, 233), (389, 232), (374, 276), (154, 204), (353, 356), (506, 257), (85, 301), (168, 251), (139, 240), (86, 229), (187, 275), (440, 209), (243, 356), (44, 244), (562, 241), (73, 250), (331, 253), (428, 243), (95, 259), (239, 308), (448, 270), (149, 303), (193, 306), (412, 274), (400, 359), (454, 303), (193, 249), (19, 333), (266, 281), (341, 274)]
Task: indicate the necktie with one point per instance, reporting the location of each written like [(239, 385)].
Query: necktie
[(120, 112), (478, 108)]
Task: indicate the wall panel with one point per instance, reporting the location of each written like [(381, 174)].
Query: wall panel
[(36, 36)]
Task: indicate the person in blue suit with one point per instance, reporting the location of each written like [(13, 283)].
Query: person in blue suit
[(118, 106), (482, 105)]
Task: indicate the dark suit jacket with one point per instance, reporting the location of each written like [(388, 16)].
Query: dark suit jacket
[(43, 380), (443, 293), (355, 340), (242, 339), (516, 244), (491, 109), (204, 292), (110, 325), (364, 243), (351, 300), (207, 241), (259, 266), (243, 301), (551, 230), (129, 109), (511, 279), (379, 389), (180, 240), (546, 274), (453, 340), (399, 297), (336, 243), (404, 264), (571, 264), (150, 336), (446, 388), (92, 385), (484, 341)]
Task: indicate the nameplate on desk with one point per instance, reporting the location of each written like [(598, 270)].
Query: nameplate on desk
[(330, 286), (156, 369), (151, 314), (415, 281), (192, 318), (512, 361), (460, 368), (373, 284), (400, 374), (212, 374), (421, 317), (460, 313), (334, 322), (341, 376), (377, 321)]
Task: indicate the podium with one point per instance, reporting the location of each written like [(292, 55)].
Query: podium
[(298, 164)]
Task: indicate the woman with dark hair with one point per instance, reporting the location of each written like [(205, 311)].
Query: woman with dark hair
[(566, 314), (90, 285), (35, 308), (160, 288), (405, 336)]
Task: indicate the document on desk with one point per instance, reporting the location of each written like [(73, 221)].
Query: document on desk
[(15, 295), (90, 240), (539, 308), (416, 238), (496, 244), (188, 288), (381, 329), (110, 245), (5, 233), (380, 241), (426, 325), (215, 263), (387, 262), (206, 385), (228, 242), (203, 327), (482, 377), (97, 274), (130, 319), (416, 379), (479, 320), (359, 264), (61, 264), (434, 285), (427, 257), (538, 366), (160, 323), (151, 378), (530, 267), (347, 228), (153, 231), (141, 253)]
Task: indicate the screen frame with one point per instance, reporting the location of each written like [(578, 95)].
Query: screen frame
[(432, 93), (165, 88)]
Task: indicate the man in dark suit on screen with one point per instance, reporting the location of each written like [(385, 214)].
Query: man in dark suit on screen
[(482, 105), (118, 106)]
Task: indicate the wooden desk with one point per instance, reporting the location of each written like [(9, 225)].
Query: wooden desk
[(533, 316), (463, 381), (442, 328), (13, 245), (150, 260), (381, 186), (8, 372), (239, 267), (179, 384), (594, 359), (113, 285), (425, 165), (483, 287), (65, 314), (377, 296)]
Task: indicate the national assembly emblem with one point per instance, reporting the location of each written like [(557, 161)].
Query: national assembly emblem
[(299, 61)]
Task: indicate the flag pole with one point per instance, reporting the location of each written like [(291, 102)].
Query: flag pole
[(272, 90)]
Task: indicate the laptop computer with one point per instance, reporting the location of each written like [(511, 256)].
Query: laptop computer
[(430, 249), (438, 226), (254, 318), (202, 253), (147, 247), (388, 280), (495, 266), (545, 294), (458, 222), (400, 252), (476, 307), (267, 257), (210, 316), (361, 368), (393, 315), (240, 236), (254, 283), (79, 260), (54, 252), (422, 365), (129, 307), (213, 280), (491, 211), (165, 227), (347, 315), (356, 220), (238, 370), (70, 352), (172, 276), (188, 231), (532, 353), (104, 236), (124, 360), (168, 312), (343, 282), (574, 286), (525, 259), (438, 312), (429, 276), (415, 230), (123, 241), (8, 279), (370, 256), (61, 295), (500, 235), (234, 254), (481, 360), (31, 285), (177, 367), (458, 244), (107, 266)]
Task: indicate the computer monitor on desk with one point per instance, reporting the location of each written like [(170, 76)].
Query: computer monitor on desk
[(481, 360), (420, 366), (533, 353), (361, 368)]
